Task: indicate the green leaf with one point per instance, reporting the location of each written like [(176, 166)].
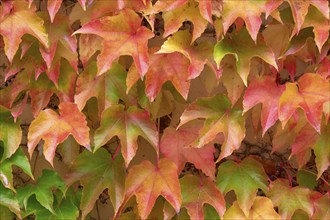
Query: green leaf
[(127, 124), (219, 118), (245, 178), (244, 49), (97, 172), (306, 179), (9, 200), (64, 210), (42, 190), (18, 159), (10, 133)]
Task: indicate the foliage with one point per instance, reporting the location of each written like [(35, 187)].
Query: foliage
[(163, 109)]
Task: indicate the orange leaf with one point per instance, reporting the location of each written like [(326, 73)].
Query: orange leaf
[(147, 182), (54, 129)]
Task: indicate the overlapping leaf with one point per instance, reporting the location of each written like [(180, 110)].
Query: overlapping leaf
[(127, 124), (175, 146), (6, 170), (42, 190), (232, 175), (238, 9), (10, 133), (262, 208), (199, 191), (219, 118), (310, 92), (264, 90), (198, 55), (108, 88), (147, 182), (244, 49), (54, 129), (188, 12), (289, 199), (123, 35), (103, 173), (17, 19), (9, 199)]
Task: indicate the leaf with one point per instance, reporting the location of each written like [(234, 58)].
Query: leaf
[(266, 91), (188, 12), (244, 49), (62, 45), (219, 118), (300, 9), (174, 145), (18, 21), (231, 175), (88, 46), (321, 206), (198, 55), (320, 25), (9, 200), (6, 170), (196, 192), (262, 208), (102, 173), (207, 8), (127, 125), (53, 6), (10, 133), (277, 44), (306, 179), (238, 9), (122, 35), (322, 150), (231, 80), (167, 67), (54, 129), (42, 190), (64, 209), (310, 93), (108, 88), (289, 199), (147, 182)]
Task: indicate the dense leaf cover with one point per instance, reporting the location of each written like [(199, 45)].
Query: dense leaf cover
[(229, 98)]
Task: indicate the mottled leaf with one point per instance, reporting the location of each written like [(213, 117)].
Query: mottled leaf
[(97, 172), (249, 172), (147, 182), (175, 146), (17, 19), (127, 124), (54, 129), (123, 35), (219, 118), (196, 192), (289, 199), (310, 93), (10, 133), (244, 49), (262, 208)]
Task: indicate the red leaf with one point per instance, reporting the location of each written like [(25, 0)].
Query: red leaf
[(123, 35), (264, 90), (175, 146)]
